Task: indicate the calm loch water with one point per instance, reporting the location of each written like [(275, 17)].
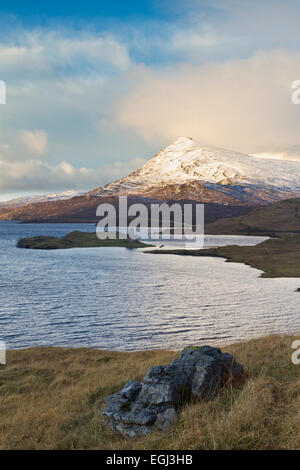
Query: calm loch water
[(115, 298)]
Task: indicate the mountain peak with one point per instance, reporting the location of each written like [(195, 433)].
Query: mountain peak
[(183, 139), (182, 142), (184, 162)]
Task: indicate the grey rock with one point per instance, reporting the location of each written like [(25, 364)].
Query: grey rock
[(165, 419), (199, 373)]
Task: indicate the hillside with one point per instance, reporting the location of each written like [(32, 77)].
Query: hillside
[(75, 209), (83, 209), (283, 216), (23, 201)]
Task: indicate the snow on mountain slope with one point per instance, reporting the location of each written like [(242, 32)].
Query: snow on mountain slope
[(187, 170), (22, 201), (185, 161)]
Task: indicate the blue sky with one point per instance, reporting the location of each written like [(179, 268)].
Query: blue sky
[(96, 88), (33, 11), (120, 9)]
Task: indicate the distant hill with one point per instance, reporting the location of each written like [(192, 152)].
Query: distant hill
[(23, 201), (83, 209), (283, 216)]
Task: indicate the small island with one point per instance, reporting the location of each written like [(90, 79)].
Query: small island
[(76, 239)]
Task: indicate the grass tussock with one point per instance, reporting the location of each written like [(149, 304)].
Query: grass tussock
[(51, 398)]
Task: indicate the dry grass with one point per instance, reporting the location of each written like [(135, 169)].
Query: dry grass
[(281, 216), (51, 398)]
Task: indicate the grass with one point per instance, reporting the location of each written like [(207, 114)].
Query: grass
[(278, 257), (282, 216), (75, 239), (51, 398)]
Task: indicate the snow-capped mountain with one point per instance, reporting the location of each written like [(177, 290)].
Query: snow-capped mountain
[(186, 164), (22, 201), (228, 182)]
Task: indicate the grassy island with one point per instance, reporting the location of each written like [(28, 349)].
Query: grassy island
[(75, 239), (51, 398), (278, 257)]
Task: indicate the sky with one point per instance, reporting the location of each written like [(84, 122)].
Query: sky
[(94, 89)]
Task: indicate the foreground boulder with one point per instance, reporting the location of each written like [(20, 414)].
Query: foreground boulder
[(199, 373)]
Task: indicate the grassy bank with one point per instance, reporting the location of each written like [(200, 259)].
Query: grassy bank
[(51, 398), (75, 239), (279, 217), (278, 257)]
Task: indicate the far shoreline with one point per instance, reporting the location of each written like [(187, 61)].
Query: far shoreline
[(275, 257)]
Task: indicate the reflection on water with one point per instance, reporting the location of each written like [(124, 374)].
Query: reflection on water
[(116, 298), (209, 241)]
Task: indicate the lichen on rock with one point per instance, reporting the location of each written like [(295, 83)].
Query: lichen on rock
[(199, 373)]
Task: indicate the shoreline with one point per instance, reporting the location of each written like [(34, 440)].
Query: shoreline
[(155, 350), (275, 257)]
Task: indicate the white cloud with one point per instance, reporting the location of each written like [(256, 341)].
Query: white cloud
[(244, 26), (64, 82), (42, 54), (96, 50), (240, 104), (189, 41), (22, 172), (98, 95), (34, 142)]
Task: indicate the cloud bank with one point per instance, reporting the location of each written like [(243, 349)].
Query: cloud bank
[(242, 104), (85, 105), (22, 169)]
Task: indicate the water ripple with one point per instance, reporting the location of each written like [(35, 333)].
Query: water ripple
[(112, 298)]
